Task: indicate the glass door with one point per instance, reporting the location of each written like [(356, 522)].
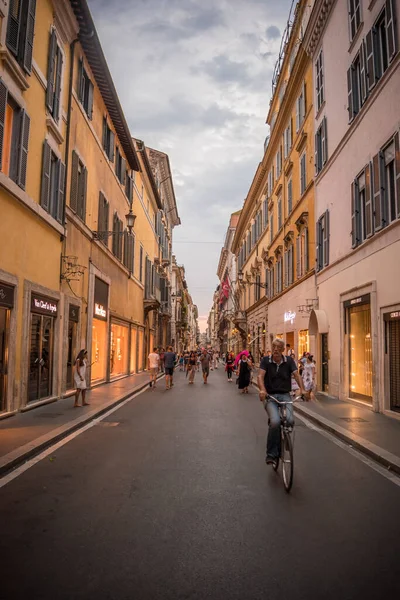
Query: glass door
[(4, 317), (324, 362), (360, 350), (40, 358), (72, 328)]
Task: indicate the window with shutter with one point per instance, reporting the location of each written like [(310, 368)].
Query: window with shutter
[(355, 212), (390, 28), (369, 213), (290, 195), (3, 109), (280, 213), (82, 187), (14, 25), (73, 197), (20, 31), (370, 60), (397, 165), (298, 258), (354, 17), (303, 182), (46, 169), (363, 74), (85, 90), (61, 193), (325, 239), (51, 69), (324, 141), (141, 264), (30, 7), (350, 105), (23, 149)]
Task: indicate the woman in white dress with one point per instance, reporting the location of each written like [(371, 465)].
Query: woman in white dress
[(80, 377), (309, 376)]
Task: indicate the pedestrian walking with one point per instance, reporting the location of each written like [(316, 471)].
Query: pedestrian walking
[(244, 372), (153, 365), (205, 361), (309, 377), (181, 362), (229, 366), (191, 366), (162, 359), (169, 365), (80, 378)]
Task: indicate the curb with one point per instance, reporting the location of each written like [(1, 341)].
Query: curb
[(16, 457), (378, 454)]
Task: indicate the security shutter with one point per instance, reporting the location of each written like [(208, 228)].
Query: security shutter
[(3, 106), (60, 192), (29, 35), (46, 167), (73, 199), (23, 149), (51, 63)]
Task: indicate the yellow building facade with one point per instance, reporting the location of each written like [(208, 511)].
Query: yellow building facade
[(275, 239), (85, 242)]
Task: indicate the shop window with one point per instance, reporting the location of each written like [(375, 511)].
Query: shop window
[(21, 30), (85, 90), (360, 352), (78, 187), (133, 352), (54, 77), (53, 181), (4, 351), (99, 351), (303, 342), (140, 350), (108, 140), (119, 350), (14, 138)]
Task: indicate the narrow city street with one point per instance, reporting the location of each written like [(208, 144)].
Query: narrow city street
[(169, 498)]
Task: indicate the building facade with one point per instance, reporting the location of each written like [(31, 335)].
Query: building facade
[(274, 241), (96, 206), (357, 188)]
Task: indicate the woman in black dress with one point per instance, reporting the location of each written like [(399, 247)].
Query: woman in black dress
[(244, 371)]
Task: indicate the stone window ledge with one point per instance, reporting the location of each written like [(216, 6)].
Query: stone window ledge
[(14, 69)]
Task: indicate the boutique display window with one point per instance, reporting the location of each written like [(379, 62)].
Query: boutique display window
[(43, 313), (119, 349), (304, 344), (358, 320), (133, 356)]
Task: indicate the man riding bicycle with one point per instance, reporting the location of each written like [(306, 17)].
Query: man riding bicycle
[(274, 377)]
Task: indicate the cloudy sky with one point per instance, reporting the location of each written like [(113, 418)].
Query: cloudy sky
[(194, 80)]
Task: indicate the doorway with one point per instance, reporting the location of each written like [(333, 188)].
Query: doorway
[(40, 357), (4, 327), (392, 351), (324, 363)]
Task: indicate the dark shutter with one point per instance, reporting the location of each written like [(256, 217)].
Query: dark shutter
[(46, 168), (111, 147), (397, 166), (123, 170), (60, 192), (377, 193), (326, 239), (390, 29), (100, 219), (82, 194), (316, 162), (306, 260), (115, 236), (350, 100), (57, 91), (304, 101), (90, 99), (105, 129), (363, 73), (117, 162), (298, 257), (355, 211), (14, 25), (369, 225), (73, 198), (23, 149), (324, 141), (370, 59), (51, 62), (3, 106), (318, 245), (81, 81), (29, 35)]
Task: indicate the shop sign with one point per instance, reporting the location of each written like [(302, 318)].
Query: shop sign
[(393, 316), (289, 316), (100, 299), (365, 299), (73, 313), (6, 295), (44, 306)]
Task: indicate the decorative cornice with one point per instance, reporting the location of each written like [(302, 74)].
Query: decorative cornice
[(288, 239), (316, 24), (64, 21), (302, 221)]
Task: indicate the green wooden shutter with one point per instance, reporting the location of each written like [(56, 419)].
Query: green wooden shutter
[(51, 61), (3, 106), (29, 35), (14, 25), (23, 149), (363, 73), (57, 91), (73, 196), (60, 193), (46, 168)]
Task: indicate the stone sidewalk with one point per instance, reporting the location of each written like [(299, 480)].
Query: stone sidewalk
[(28, 433)]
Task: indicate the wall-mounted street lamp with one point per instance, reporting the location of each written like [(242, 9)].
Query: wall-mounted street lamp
[(130, 222)]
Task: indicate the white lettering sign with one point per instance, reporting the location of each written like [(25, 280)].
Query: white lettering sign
[(99, 310), (289, 316), (43, 305), (355, 301), (395, 315)]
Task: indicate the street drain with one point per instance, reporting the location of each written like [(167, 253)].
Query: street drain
[(353, 419)]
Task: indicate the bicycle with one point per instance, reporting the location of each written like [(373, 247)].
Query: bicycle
[(286, 451)]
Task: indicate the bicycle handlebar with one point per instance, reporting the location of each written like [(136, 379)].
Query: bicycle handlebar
[(282, 402)]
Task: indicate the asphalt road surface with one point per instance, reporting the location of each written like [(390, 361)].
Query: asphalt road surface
[(169, 498)]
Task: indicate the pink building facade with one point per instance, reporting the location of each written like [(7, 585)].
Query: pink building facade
[(354, 45)]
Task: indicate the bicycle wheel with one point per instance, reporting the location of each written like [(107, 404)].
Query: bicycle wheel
[(287, 461)]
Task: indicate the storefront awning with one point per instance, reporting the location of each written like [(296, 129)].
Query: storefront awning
[(318, 322)]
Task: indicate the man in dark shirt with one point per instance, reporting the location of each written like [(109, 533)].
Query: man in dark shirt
[(275, 378), (169, 364)]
